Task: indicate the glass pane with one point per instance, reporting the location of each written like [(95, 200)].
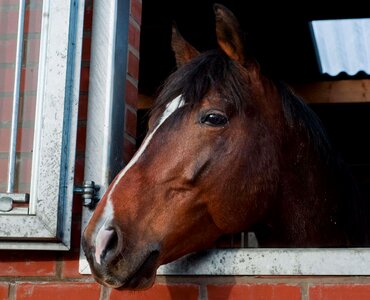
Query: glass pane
[(9, 15), (342, 45)]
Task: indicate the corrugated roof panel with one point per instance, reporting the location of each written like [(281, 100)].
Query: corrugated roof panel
[(342, 45)]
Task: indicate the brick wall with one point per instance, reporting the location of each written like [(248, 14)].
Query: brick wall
[(45, 275), (28, 85), (132, 80)]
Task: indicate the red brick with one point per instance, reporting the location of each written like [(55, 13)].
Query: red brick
[(131, 94), (84, 81), (7, 54), (79, 169), (159, 291), (27, 263), (32, 47), (29, 79), (6, 109), (7, 3), (77, 210), (58, 291), (254, 292), (76, 233), (5, 139), (7, 80), (24, 139), (340, 292), (32, 21), (82, 108), (135, 10), (88, 18), (26, 109), (4, 290), (81, 139), (4, 170), (133, 65), (86, 48), (8, 22), (7, 50), (134, 36), (130, 123), (70, 265), (24, 165)]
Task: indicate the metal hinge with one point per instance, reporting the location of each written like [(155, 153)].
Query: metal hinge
[(88, 190), (7, 200)]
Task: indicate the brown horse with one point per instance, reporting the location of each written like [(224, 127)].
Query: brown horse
[(227, 150)]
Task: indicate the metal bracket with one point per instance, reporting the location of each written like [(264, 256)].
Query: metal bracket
[(7, 200), (88, 190)]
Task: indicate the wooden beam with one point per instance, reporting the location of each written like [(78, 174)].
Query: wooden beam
[(339, 91)]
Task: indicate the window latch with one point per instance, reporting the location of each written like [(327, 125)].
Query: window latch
[(8, 199), (89, 192)]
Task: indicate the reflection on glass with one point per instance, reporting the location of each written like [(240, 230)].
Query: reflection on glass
[(9, 17)]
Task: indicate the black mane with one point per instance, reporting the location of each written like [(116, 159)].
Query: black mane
[(353, 209), (210, 70), (300, 117)]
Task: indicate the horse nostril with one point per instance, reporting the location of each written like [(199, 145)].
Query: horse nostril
[(111, 244), (106, 242)]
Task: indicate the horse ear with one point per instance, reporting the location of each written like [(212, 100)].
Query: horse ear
[(184, 52), (228, 33)]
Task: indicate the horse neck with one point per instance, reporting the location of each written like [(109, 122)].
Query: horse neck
[(319, 201)]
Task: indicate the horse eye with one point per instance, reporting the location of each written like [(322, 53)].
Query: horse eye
[(214, 119)]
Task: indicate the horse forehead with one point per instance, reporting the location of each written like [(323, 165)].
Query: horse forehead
[(170, 108)]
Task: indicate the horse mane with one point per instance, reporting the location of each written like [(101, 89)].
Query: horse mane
[(210, 70), (300, 117), (352, 206)]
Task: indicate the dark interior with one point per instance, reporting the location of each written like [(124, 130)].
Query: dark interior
[(279, 37)]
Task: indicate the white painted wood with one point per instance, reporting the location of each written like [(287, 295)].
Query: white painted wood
[(47, 223)]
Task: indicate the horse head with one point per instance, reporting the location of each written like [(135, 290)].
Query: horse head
[(211, 164)]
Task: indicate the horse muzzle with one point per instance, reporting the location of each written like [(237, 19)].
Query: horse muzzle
[(115, 264)]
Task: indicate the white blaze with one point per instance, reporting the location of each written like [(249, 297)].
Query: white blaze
[(103, 234), (170, 109)]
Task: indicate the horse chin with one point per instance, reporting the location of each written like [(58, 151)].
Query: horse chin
[(141, 278)]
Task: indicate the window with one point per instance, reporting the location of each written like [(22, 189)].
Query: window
[(342, 45), (36, 209), (243, 261)]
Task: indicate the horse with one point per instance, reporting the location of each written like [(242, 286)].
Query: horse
[(227, 150)]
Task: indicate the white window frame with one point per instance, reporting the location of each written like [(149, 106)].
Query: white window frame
[(46, 223), (105, 117), (245, 261)]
